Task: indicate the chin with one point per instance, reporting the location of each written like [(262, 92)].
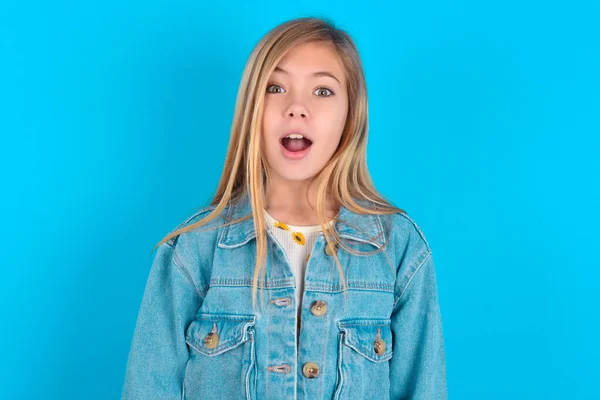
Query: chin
[(294, 176)]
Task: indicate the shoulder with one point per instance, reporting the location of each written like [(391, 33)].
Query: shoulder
[(408, 245), (407, 229), (195, 217), (408, 248), (193, 249), (196, 243), (399, 227)]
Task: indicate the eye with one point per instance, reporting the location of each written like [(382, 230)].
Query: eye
[(271, 86), (275, 88), (324, 88)]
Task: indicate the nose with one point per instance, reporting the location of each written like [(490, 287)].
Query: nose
[(293, 113), (296, 109)]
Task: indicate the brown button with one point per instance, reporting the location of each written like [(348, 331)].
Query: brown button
[(318, 308), (379, 346), (310, 370), (211, 340), (331, 250)]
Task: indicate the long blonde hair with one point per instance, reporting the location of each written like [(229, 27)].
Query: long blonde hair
[(345, 177)]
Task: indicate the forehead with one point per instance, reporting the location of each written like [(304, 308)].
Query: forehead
[(307, 58)]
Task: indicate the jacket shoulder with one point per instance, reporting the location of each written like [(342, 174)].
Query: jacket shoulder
[(408, 244), (408, 227), (190, 220), (193, 249)]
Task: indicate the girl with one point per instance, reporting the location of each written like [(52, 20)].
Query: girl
[(348, 305)]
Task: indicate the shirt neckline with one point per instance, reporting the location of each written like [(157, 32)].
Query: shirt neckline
[(297, 228)]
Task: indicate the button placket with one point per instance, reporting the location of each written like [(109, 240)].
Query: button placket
[(310, 370), (281, 301), (284, 368), (318, 308)]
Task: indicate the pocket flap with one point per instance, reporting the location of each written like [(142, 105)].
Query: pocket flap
[(232, 330), (361, 334)]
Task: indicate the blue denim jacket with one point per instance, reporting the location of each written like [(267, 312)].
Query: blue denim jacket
[(197, 335)]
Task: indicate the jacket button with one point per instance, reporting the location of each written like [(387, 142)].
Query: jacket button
[(310, 370), (318, 308), (379, 346), (329, 250), (211, 340)]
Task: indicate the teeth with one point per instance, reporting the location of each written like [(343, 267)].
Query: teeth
[(295, 136)]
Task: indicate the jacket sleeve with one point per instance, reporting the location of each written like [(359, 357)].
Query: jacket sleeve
[(159, 354), (418, 365)]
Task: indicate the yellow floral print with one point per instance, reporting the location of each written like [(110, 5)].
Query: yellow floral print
[(281, 225), (298, 238), (307, 257)]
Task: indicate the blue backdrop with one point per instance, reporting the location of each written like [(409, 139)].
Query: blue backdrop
[(483, 126)]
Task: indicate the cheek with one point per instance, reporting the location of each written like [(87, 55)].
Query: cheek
[(334, 121), (270, 117)]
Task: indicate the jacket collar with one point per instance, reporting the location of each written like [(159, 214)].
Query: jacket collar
[(363, 228)]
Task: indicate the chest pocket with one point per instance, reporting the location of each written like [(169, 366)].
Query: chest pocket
[(364, 348), (222, 357)]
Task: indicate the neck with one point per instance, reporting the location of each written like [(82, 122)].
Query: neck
[(295, 205)]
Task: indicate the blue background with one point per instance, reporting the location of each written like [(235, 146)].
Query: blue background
[(483, 126)]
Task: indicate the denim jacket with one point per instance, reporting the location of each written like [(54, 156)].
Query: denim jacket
[(197, 335)]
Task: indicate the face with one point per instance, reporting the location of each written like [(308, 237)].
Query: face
[(306, 94)]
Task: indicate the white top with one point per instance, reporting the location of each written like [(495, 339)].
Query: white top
[(298, 242)]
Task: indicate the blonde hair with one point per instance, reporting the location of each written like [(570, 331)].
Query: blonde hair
[(345, 174)]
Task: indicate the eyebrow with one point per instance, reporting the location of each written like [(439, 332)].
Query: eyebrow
[(319, 73)]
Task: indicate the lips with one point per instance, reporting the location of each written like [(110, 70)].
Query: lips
[(295, 131)]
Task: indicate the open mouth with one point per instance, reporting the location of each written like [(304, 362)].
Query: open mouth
[(295, 145)]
